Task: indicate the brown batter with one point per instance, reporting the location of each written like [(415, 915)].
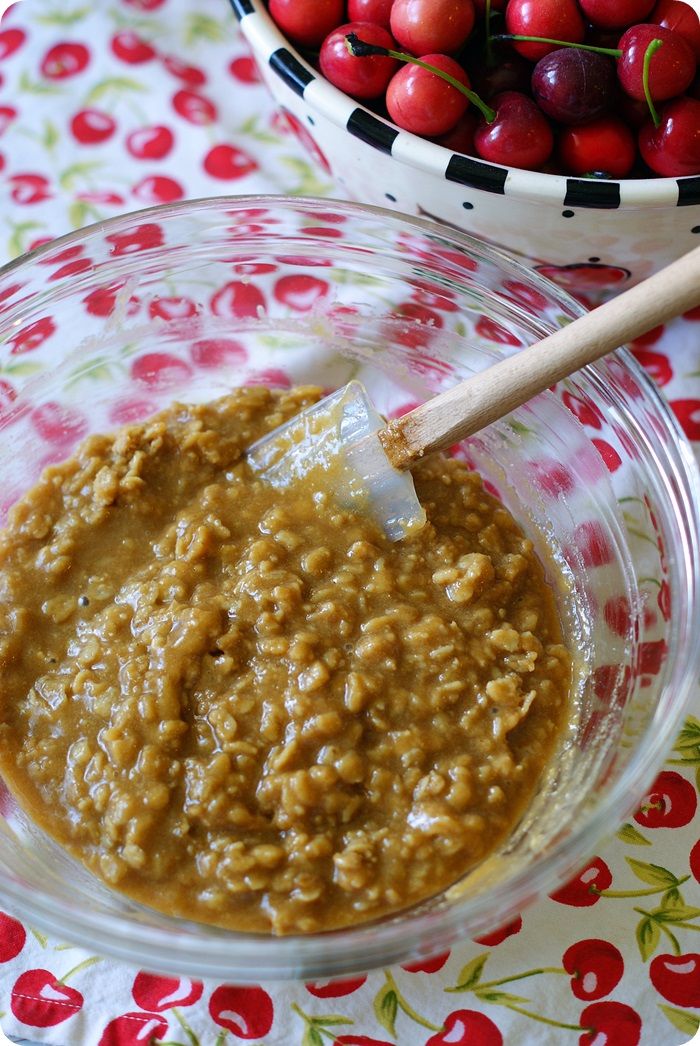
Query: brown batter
[(246, 706)]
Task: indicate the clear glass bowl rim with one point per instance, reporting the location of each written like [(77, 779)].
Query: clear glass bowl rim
[(249, 957)]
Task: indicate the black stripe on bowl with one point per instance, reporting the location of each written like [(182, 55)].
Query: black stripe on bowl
[(587, 192), (242, 7), (688, 191), (371, 130), (290, 69), (476, 173)]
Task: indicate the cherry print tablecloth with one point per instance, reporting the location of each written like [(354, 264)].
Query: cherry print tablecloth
[(110, 106)]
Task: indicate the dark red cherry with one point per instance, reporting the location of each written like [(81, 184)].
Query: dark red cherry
[(615, 14), (673, 148), (520, 135), (573, 86), (676, 15)]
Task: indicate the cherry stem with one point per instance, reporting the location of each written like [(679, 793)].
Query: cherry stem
[(81, 966), (546, 1020), (406, 1006), (651, 50), (520, 976), (360, 49), (614, 52), (194, 1041), (313, 1022)]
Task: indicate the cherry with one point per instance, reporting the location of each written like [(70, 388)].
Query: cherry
[(432, 26), (58, 424), (617, 615), (12, 935), (655, 364), (173, 308), (604, 147), (307, 22), (359, 77), (501, 934), (421, 102), (129, 47), (238, 300), (158, 189), (677, 978), (673, 148), (7, 114), (597, 967), (555, 19), (64, 60), (126, 411), (695, 861), (335, 989), (671, 68), (301, 292), (41, 1001), (160, 370), (467, 1028), (245, 70), (217, 352), (10, 41), (194, 108), (150, 143), (584, 890), (29, 188), (32, 336), (510, 73), (92, 126), (246, 1011), (227, 163), (663, 600), (688, 415), (461, 138), (376, 11), (142, 238), (134, 1029), (679, 16), (573, 86), (670, 802), (610, 1024), (519, 136), (615, 14), (189, 74), (427, 965), (162, 993)]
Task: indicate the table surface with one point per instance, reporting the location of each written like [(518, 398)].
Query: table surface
[(108, 107)]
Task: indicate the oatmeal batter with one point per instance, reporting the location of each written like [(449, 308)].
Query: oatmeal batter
[(246, 706)]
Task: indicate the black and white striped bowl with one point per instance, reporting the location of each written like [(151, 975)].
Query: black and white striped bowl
[(591, 236)]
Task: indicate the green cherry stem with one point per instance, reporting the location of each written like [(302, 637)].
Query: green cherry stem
[(545, 1020), (637, 893), (406, 1006), (192, 1038), (360, 49), (651, 50), (614, 52), (81, 966), (521, 976)]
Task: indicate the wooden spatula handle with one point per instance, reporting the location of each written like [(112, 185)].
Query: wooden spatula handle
[(493, 393)]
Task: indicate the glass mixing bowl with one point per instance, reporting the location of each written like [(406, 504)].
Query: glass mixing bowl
[(109, 324)]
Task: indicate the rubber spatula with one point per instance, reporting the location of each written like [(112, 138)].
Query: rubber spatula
[(365, 462)]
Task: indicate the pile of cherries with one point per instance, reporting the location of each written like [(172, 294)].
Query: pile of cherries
[(591, 88)]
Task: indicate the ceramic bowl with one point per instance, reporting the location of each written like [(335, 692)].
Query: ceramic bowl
[(592, 237)]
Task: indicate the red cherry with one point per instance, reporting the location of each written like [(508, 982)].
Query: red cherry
[(103, 300), (670, 802), (608, 453), (688, 414), (427, 965), (673, 148), (106, 196), (92, 126), (57, 424), (227, 163), (162, 993), (194, 108), (126, 411), (12, 937), (129, 47), (150, 143), (32, 336), (554, 19), (656, 364), (158, 189), (246, 1011), (291, 122), (551, 477), (461, 138), (671, 68), (273, 377), (8, 395), (615, 14), (64, 60), (664, 600), (603, 146), (300, 292), (695, 861), (432, 26), (584, 409), (651, 656), (597, 967), (335, 989), (142, 238), (520, 136), (189, 74), (29, 188), (175, 308), (593, 544), (677, 978), (358, 77), (134, 1029), (467, 1028), (10, 41), (501, 934), (145, 5), (584, 889), (610, 1024), (238, 300), (41, 1001), (71, 268), (617, 615), (245, 70), (160, 370), (682, 18), (307, 22), (419, 101), (376, 11), (7, 114)]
